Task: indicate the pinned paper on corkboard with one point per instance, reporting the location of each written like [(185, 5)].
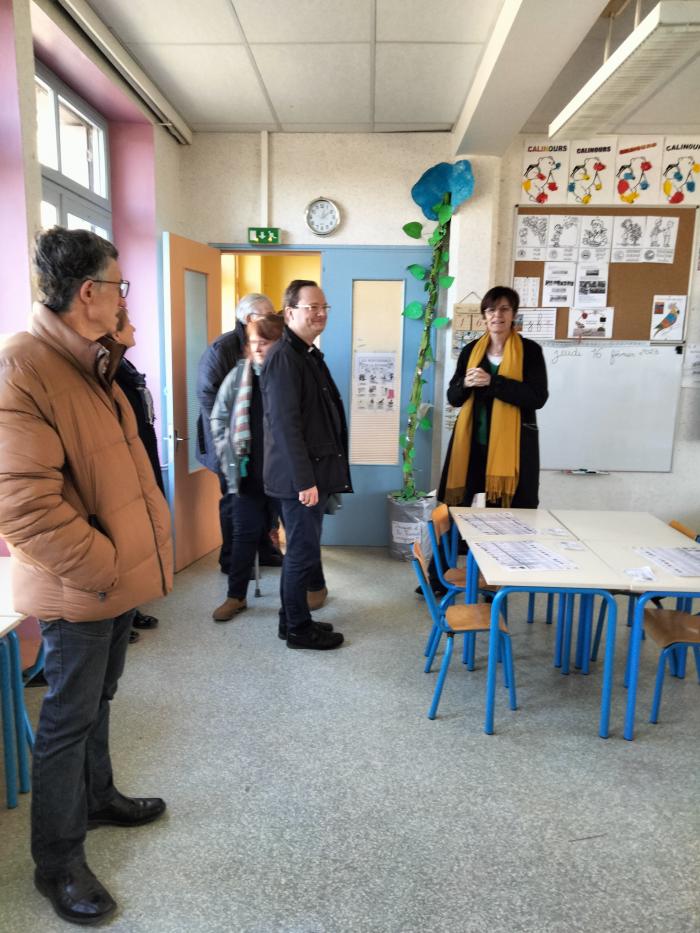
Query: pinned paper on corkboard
[(467, 323)]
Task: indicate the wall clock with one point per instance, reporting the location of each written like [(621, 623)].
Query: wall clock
[(322, 216)]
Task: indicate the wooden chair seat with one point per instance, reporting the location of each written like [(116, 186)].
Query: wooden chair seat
[(476, 617), (457, 576), (669, 626)]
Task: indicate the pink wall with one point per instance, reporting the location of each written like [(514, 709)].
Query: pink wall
[(14, 258)]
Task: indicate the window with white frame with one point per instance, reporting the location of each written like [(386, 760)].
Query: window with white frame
[(72, 147)]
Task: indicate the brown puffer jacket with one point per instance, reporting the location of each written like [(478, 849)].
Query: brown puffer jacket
[(88, 528)]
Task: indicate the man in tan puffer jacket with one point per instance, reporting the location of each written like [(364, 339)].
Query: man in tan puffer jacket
[(89, 535)]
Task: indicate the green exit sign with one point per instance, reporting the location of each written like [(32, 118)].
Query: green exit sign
[(264, 235)]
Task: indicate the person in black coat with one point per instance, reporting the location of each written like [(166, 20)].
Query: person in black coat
[(306, 455), (216, 363), (499, 383), (133, 385)]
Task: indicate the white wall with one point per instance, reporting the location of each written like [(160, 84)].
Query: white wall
[(667, 495), (369, 176)]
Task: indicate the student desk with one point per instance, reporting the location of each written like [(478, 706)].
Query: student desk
[(622, 556), (618, 526), (591, 577)]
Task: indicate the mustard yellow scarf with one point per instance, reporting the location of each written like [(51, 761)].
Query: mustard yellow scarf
[(503, 460)]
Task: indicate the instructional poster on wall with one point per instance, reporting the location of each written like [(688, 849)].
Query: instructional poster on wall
[(592, 171), (659, 241), (467, 325), (591, 285), (531, 237), (638, 169), (558, 284), (375, 381), (668, 318), (596, 239), (528, 288), (562, 242), (680, 170), (545, 171), (628, 239), (537, 323), (587, 324)]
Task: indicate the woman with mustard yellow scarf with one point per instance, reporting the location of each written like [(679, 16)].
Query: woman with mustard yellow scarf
[(499, 383)]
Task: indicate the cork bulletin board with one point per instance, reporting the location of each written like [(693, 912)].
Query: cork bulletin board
[(631, 285)]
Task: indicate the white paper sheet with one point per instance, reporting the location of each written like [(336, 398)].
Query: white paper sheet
[(531, 237), (524, 555), (528, 287), (558, 284), (591, 324), (628, 239), (641, 574), (537, 323), (596, 239), (498, 525), (680, 561), (563, 237), (591, 285), (660, 239)]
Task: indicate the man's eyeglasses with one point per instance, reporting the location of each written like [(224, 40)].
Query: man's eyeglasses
[(314, 308), (122, 283)]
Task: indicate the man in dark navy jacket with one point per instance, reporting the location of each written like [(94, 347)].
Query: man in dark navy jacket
[(306, 455)]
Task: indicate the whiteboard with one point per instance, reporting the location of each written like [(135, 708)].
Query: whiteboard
[(611, 406)]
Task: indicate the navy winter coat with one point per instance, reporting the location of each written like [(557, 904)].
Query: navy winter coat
[(216, 363)]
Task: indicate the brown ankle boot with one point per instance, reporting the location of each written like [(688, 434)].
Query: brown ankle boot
[(228, 609)]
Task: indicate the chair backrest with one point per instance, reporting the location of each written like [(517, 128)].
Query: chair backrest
[(441, 520), (420, 565), (420, 557), (684, 530)]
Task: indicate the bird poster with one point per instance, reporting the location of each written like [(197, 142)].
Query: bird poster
[(638, 169), (668, 318), (680, 170)]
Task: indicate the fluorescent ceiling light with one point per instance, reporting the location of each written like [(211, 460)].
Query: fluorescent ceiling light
[(660, 47)]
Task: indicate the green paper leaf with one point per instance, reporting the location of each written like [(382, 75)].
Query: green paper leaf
[(425, 424), (444, 212), (414, 229), (417, 271), (411, 453), (435, 237), (403, 441), (414, 311), (441, 322), (412, 409), (429, 358), (445, 256), (407, 467), (446, 281)]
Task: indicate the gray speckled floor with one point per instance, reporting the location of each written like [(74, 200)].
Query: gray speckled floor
[(309, 793)]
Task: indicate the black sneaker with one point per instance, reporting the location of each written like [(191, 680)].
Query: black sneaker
[(323, 626), (314, 638)]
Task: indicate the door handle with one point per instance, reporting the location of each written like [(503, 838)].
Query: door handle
[(179, 439)]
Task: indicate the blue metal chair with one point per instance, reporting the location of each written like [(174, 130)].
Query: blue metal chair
[(17, 740), (671, 630), (459, 620)]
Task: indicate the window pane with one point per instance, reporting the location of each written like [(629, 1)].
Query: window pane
[(74, 222), (49, 214), (80, 146), (46, 125)]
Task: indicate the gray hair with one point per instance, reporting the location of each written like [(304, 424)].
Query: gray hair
[(246, 306), (63, 259)]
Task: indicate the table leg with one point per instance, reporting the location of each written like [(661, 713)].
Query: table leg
[(568, 625), (7, 736), (20, 728), (493, 659), (633, 665), (608, 668)]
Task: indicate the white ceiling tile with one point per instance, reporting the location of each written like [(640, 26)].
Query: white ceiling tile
[(407, 85), (317, 83), (305, 21), (436, 20), (326, 127), (166, 21), (412, 127), (207, 83), (233, 127)]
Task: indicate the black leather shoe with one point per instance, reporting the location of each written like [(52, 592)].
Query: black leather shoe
[(127, 811), (133, 636), (315, 638), (323, 626), (77, 896), (142, 621)]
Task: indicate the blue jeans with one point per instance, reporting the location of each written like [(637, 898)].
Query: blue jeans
[(72, 771), (302, 562)]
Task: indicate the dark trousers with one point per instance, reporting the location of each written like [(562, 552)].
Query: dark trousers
[(72, 771), (250, 519), (226, 519), (302, 562)]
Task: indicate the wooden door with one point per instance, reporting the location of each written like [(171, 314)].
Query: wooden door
[(192, 292)]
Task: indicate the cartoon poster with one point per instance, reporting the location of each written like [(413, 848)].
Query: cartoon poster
[(562, 241), (592, 171), (638, 169), (660, 239), (531, 237), (591, 325), (558, 284), (596, 239), (545, 172), (680, 170), (591, 285), (667, 318), (628, 238)]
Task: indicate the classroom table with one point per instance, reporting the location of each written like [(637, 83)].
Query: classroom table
[(597, 525), (591, 577), (623, 556)]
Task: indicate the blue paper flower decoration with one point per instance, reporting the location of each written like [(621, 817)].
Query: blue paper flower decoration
[(456, 178)]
